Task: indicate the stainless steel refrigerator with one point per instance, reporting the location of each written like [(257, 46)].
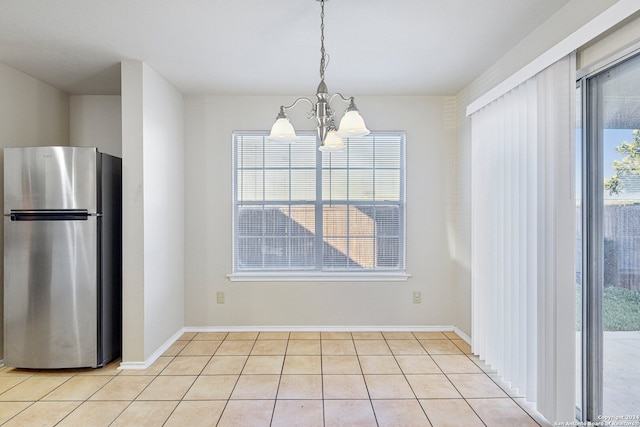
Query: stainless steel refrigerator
[(62, 257)]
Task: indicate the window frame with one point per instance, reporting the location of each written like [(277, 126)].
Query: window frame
[(318, 273)]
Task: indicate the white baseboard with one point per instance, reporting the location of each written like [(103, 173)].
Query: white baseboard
[(380, 328), (156, 354), (316, 328), (462, 335)]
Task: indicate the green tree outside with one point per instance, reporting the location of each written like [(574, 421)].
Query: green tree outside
[(627, 168)]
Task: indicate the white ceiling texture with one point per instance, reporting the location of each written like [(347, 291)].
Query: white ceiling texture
[(260, 47)]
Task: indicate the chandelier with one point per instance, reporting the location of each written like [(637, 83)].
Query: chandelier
[(351, 124)]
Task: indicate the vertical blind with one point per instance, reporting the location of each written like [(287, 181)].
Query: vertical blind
[(523, 321), (297, 208)]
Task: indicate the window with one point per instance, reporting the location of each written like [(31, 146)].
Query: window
[(297, 209)]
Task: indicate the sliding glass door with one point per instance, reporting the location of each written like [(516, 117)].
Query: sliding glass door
[(608, 242)]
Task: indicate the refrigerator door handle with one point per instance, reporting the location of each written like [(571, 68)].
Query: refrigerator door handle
[(50, 215)]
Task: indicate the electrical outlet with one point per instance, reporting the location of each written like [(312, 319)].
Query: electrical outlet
[(220, 297), (417, 297)]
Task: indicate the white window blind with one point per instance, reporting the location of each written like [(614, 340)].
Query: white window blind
[(298, 209), (523, 209)]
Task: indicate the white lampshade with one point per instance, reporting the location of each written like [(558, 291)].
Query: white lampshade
[(352, 125), (282, 131), (332, 142)]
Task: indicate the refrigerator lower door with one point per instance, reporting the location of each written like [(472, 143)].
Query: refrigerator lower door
[(50, 300)]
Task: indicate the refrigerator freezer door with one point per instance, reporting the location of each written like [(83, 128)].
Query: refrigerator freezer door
[(51, 293), (50, 178)]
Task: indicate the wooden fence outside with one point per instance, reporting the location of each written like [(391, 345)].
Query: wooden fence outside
[(621, 245)]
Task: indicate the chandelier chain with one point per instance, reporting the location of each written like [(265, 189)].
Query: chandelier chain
[(323, 55)]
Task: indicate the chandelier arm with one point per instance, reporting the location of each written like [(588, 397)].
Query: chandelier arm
[(341, 97), (296, 103)]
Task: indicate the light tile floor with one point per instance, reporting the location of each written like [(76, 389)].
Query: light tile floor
[(276, 379)]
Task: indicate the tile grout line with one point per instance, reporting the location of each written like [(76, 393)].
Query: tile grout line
[(488, 376), (226, 403), (159, 373), (364, 379), (461, 395), (275, 400), (407, 379), (40, 399), (451, 382), (194, 381), (464, 398), (501, 388)]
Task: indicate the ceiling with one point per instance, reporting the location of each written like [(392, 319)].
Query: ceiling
[(259, 47)]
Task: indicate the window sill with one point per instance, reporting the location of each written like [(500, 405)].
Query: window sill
[(319, 277)]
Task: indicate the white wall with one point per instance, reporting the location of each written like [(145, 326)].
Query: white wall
[(572, 16), (164, 166), (96, 121), (133, 338), (153, 206), (209, 122), (31, 114)]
